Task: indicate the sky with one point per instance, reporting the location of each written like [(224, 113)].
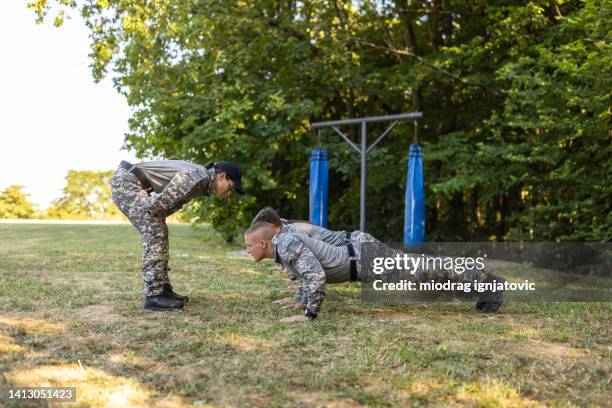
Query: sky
[(53, 116)]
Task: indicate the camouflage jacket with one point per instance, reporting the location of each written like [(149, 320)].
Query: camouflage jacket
[(336, 238), (182, 187), (313, 263)]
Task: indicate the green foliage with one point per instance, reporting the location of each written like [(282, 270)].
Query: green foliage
[(86, 195), (14, 203), (516, 99), (557, 115)]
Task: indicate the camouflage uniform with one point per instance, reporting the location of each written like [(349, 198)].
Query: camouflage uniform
[(301, 263), (315, 263), (336, 238), (148, 212)]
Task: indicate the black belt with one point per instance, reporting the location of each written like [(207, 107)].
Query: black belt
[(138, 173), (352, 263)]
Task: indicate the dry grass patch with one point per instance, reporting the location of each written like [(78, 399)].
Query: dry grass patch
[(545, 349), (95, 387), (103, 313), (29, 325), (493, 394)]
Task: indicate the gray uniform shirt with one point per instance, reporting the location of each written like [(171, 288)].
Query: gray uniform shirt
[(159, 173), (335, 238)]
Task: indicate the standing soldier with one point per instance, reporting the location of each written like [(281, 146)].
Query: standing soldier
[(149, 192), (316, 263)]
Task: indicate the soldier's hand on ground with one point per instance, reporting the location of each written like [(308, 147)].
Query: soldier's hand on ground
[(294, 319), (293, 306), (283, 302)]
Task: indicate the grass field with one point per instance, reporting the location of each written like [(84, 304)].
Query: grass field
[(71, 314)]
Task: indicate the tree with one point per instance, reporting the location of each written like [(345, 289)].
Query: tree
[(86, 195), (516, 101), (14, 203), (557, 117)]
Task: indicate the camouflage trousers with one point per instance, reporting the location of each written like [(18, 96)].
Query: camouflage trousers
[(422, 274), (428, 268), (358, 238), (131, 199)]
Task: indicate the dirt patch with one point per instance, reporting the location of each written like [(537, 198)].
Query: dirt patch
[(245, 343), (75, 279), (130, 362), (105, 313), (93, 343), (310, 399), (424, 387), (547, 349)]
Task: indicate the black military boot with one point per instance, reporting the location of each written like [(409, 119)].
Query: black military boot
[(489, 301), (162, 302), (168, 292)]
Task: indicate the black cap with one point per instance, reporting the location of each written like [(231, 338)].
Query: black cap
[(233, 172)]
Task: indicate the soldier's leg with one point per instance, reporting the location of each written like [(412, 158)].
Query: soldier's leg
[(154, 254), (488, 301), (168, 290), (128, 195), (130, 198), (358, 238), (166, 252), (423, 274)]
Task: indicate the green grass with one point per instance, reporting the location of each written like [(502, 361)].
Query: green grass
[(72, 293)]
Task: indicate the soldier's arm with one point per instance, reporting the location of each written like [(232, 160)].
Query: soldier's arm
[(300, 294), (312, 280), (175, 194)]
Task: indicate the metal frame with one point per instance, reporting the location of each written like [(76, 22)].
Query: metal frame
[(364, 150)]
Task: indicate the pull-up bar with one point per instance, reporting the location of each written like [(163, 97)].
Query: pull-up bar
[(364, 150)]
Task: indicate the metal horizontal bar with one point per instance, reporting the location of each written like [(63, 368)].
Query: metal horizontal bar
[(382, 136), (367, 119), (347, 139)]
